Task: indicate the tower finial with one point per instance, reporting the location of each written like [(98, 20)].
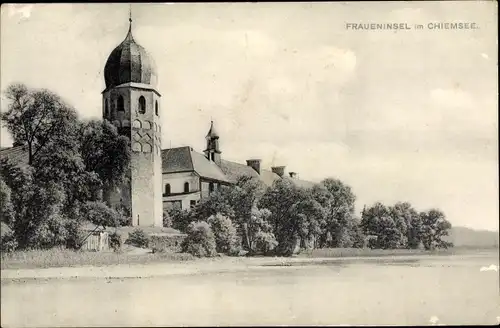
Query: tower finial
[(129, 34)]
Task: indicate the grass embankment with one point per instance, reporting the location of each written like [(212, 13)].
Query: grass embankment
[(367, 252), (67, 258)]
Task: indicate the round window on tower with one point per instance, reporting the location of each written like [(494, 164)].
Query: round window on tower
[(142, 105)]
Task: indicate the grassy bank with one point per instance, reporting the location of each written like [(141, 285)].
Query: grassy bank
[(366, 252), (68, 258)]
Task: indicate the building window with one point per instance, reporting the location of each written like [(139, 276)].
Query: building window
[(167, 189), (192, 203), (211, 187), (106, 109), (156, 108), (186, 187), (120, 104), (142, 105)]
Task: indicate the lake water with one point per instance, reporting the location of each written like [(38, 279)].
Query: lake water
[(442, 290)]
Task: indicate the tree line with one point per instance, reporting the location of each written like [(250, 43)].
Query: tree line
[(284, 218), (72, 162)]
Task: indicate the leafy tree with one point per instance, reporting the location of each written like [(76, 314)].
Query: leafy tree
[(6, 208), (408, 223), (258, 232), (200, 240), (338, 201), (35, 117), (378, 224), (180, 218), (100, 214), (282, 200), (434, 228), (104, 152), (8, 242), (226, 238)]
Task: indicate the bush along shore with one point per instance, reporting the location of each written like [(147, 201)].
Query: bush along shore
[(46, 201)]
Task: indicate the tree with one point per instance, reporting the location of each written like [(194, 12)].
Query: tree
[(408, 222), (288, 216), (378, 224), (100, 214), (104, 152), (200, 240), (339, 202), (434, 228), (258, 232), (6, 208), (226, 238), (36, 117)]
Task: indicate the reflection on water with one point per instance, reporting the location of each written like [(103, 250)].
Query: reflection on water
[(382, 292)]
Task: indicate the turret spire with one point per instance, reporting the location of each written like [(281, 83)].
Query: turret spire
[(129, 34)]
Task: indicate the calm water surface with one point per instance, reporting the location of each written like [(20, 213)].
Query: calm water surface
[(443, 290)]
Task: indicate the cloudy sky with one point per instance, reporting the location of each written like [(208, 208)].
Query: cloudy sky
[(399, 116)]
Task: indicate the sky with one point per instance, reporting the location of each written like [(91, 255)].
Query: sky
[(408, 115)]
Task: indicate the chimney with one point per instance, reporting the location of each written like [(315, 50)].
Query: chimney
[(255, 164), (293, 175), (279, 170)]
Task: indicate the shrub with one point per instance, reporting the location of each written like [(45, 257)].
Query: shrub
[(167, 219), (101, 214), (115, 241), (75, 234), (8, 241), (138, 238), (200, 240), (226, 238), (166, 243), (265, 242), (180, 219)]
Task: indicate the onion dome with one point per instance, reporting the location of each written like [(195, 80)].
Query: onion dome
[(129, 62)]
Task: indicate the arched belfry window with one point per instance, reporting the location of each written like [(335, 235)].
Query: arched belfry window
[(119, 104), (142, 105), (167, 189), (106, 109), (156, 108), (186, 187)]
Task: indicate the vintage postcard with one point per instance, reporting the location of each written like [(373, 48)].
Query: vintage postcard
[(249, 164)]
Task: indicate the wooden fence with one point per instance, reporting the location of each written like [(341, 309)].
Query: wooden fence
[(96, 241)]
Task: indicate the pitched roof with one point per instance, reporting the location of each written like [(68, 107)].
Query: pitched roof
[(17, 155), (233, 170), (206, 168), (185, 159), (176, 160)]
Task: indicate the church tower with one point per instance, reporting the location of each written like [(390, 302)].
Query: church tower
[(212, 152), (132, 103)]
